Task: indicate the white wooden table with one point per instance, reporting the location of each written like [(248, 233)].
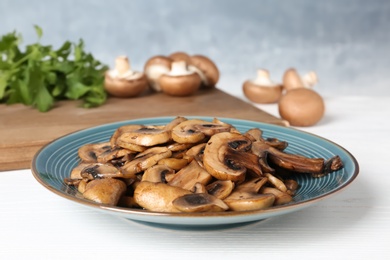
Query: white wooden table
[(353, 224)]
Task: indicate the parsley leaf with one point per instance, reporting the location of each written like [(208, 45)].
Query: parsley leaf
[(41, 75)]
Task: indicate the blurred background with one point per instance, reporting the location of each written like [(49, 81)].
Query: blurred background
[(347, 42)]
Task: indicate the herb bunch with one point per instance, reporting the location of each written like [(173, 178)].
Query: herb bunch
[(41, 75)]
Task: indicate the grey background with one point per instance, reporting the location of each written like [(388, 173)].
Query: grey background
[(346, 42)]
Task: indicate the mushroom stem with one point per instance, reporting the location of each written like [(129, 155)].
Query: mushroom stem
[(310, 79), (122, 65), (263, 78), (179, 68)]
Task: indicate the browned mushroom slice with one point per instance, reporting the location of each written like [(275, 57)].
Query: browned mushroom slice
[(255, 134), (195, 152), (175, 122), (100, 170), (220, 189), (244, 201), (105, 191), (291, 185), (280, 196), (90, 152), (75, 174), (195, 130), (144, 160), (227, 156), (277, 183), (317, 167), (123, 129), (115, 154), (158, 196), (187, 177), (199, 188), (199, 202), (174, 163), (157, 173), (146, 136), (246, 197)]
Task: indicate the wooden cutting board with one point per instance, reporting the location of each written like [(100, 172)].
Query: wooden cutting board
[(24, 130)]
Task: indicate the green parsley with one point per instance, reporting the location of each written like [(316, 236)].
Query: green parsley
[(41, 75)]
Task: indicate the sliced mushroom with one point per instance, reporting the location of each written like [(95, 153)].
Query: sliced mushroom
[(124, 82), (145, 136), (100, 170), (262, 89), (244, 201), (227, 156), (199, 188), (188, 176), (277, 183), (174, 163), (89, 153), (154, 68), (206, 69), (158, 196), (157, 173), (317, 167), (144, 160), (199, 202), (179, 81), (281, 197), (195, 130), (105, 191), (220, 189)]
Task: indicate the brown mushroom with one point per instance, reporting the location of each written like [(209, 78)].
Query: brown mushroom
[(206, 69), (302, 107), (220, 189), (154, 68), (262, 89), (179, 81), (124, 82), (292, 79), (180, 56)]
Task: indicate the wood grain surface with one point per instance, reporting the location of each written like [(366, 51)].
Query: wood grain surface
[(24, 130)]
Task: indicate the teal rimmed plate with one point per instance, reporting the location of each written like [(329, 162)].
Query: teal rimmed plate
[(54, 162)]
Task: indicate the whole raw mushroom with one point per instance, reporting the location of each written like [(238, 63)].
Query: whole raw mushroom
[(124, 82)]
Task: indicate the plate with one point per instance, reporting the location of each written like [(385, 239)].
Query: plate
[(55, 161)]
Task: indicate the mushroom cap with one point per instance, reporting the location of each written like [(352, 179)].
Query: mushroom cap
[(154, 68), (180, 56), (301, 107), (262, 94), (184, 85), (146, 136), (123, 87), (206, 68), (158, 60)]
